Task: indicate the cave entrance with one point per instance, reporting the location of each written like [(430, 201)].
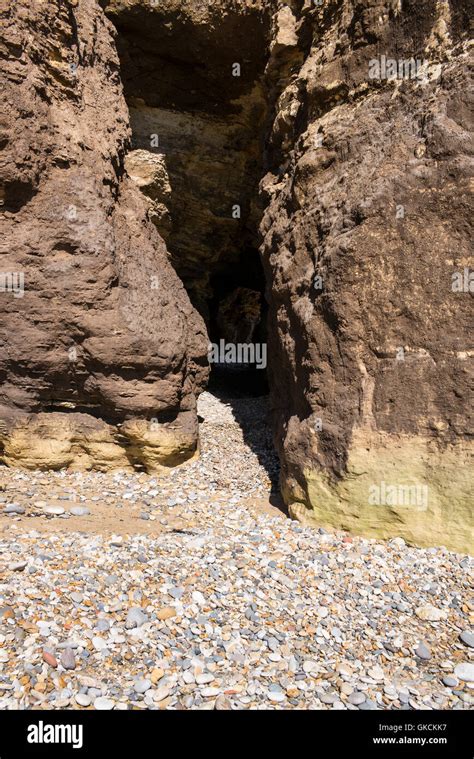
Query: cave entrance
[(193, 81), (237, 328)]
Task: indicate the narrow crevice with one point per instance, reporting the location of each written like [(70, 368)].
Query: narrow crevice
[(201, 100), (199, 113)]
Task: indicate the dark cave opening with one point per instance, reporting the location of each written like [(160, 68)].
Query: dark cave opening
[(198, 134), (238, 316)]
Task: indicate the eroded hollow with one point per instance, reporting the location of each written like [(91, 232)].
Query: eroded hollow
[(198, 113)]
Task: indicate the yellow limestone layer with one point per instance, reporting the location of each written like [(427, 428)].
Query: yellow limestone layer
[(395, 486), (57, 441)]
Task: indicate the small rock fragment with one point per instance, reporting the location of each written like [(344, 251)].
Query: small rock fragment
[(50, 659), (430, 613), (68, 659), (135, 618)]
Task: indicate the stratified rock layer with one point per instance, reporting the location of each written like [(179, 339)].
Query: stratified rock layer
[(102, 355)]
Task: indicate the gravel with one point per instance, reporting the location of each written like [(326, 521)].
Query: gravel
[(218, 600)]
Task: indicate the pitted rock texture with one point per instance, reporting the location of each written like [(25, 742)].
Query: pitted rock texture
[(368, 218), (103, 357)]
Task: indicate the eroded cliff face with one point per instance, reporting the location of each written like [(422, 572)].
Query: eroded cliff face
[(102, 354), (254, 130), (368, 220)]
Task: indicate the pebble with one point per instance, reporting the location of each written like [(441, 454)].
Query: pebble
[(204, 678), (156, 675), (397, 543), (465, 671), (176, 592), (356, 698), (99, 643), (368, 705), (276, 697), (166, 613), (50, 659), (142, 685), (209, 692), (376, 673), (423, 651), (135, 618), (54, 511), (67, 659), (450, 682), (83, 699), (17, 566), (467, 638), (222, 704), (345, 669), (104, 704), (328, 698), (198, 598), (79, 511), (161, 693), (430, 613), (14, 508)]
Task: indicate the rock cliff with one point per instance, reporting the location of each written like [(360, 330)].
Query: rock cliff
[(157, 154), (367, 229), (102, 354)]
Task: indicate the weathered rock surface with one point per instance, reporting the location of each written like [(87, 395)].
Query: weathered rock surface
[(367, 221), (362, 219), (102, 355)]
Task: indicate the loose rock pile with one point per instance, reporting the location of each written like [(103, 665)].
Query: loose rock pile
[(204, 599)]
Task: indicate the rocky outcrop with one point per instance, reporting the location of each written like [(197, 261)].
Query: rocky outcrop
[(367, 227), (334, 137), (102, 354)]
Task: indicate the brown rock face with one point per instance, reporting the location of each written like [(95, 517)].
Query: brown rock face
[(101, 332), (334, 137), (366, 232)]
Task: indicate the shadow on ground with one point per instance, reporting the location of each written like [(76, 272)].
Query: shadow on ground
[(246, 392)]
